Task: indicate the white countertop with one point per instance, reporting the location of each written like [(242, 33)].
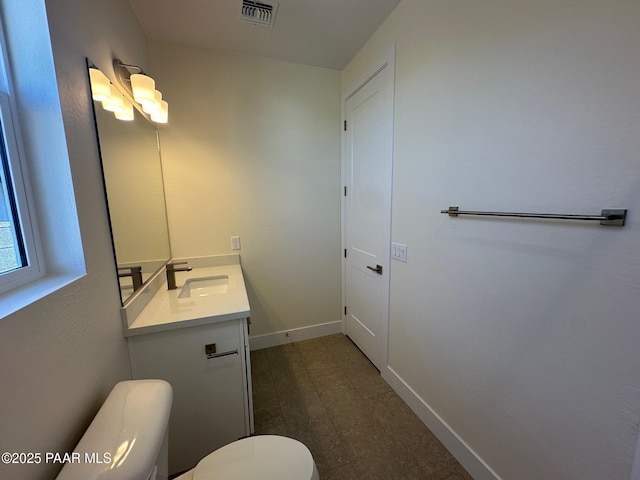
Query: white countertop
[(165, 311)]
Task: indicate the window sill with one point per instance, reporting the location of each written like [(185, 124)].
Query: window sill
[(21, 297)]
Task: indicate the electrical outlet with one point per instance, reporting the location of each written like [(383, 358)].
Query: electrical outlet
[(399, 252), (235, 243)]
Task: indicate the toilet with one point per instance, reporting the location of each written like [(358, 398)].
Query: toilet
[(128, 440)]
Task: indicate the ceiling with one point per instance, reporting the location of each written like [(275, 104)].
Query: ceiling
[(325, 33)]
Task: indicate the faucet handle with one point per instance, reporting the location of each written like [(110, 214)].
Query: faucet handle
[(171, 273), (135, 273)]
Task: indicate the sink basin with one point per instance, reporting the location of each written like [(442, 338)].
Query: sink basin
[(204, 286)]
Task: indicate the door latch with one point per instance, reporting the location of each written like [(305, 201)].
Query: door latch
[(377, 269)]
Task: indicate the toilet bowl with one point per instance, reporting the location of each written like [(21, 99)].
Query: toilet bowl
[(127, 440)]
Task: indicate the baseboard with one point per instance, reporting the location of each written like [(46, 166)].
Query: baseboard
[(294, 335), (458, 448)]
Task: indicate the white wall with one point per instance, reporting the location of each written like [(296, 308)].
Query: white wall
[(60, 356), (252, 148), (521, 335)]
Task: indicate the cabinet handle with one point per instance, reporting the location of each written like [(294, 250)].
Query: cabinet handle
[(223, 354), (210, 351)]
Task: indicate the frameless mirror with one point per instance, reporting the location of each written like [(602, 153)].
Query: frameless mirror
[(132, 170)]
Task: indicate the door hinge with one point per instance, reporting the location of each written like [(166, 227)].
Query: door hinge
[(345, 253), (345, 190), (345, 125), (345, 310)]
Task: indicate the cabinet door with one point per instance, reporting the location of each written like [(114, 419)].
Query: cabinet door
[(209, 394)]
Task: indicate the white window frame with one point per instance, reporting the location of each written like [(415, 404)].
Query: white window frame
[(17, 170)]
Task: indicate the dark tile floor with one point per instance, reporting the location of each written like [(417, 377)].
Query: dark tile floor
[(325, 393)]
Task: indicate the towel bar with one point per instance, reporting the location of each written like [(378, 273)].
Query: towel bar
[(609, 217)]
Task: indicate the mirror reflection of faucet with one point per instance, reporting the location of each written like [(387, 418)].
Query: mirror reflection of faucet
[(135, 273), (171, 273)]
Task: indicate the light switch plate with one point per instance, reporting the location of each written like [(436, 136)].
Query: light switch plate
[(235, 243), (399, 252)]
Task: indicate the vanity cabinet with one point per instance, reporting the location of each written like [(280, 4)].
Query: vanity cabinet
[(212, 403)]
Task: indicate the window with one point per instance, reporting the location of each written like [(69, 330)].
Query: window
[(37, 204), (18, 259), (12, 252)]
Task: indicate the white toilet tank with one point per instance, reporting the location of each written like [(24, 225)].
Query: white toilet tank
[(127, 439)]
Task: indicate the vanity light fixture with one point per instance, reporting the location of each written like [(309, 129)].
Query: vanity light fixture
[(137, 86), (100, 85), (112, 99), (162, 115), (126, 113), (155, 105), (115, 102), (142, 89)]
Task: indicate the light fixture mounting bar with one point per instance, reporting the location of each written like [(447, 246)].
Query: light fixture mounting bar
[(124, 71), (141, 90)]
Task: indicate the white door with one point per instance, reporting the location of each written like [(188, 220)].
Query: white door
[(368, 171)]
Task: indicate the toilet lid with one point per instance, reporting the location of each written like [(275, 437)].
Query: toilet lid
[(263, 457)]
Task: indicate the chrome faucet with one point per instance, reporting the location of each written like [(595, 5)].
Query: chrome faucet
[(135, 273), (171, 273)]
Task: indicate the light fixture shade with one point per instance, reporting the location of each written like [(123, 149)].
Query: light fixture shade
[(143, 88), (115, 102), (155, 106), (100, 85), (162, 115), (126, 113)]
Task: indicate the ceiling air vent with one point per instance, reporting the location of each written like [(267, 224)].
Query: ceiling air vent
[(259, 13)]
